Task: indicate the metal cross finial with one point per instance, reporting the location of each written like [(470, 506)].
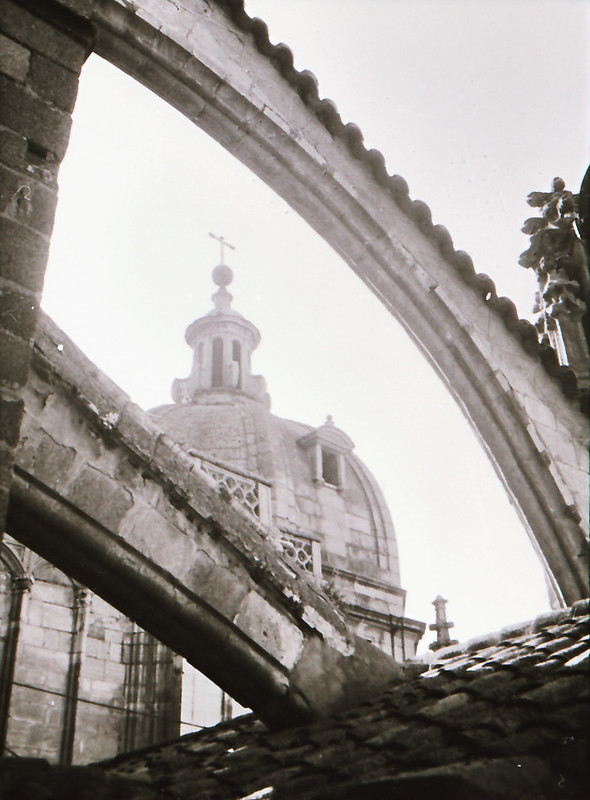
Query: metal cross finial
[(223, 244)]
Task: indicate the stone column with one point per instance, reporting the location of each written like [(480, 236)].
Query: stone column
[(43, 48), (79, 627)]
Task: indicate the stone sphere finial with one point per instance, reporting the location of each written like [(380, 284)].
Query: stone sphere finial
[(558, 184), (222, 275)]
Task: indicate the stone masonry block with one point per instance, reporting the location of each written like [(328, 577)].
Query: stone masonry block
[(53, 82), (100, 497), (55, 639), (45, 125), (52, 593), (221, 587), (114, 672), (173, 461), (96, 650), (57, 618), (14, 59), (32, 611), (12, 149), (324, 672), (125, 472), (97, 741), (23, 254), (133, 428), (201, 568), (46, 459), (27, 200), (146, 530), (271, 629), (36, 636), (27, 708), (18, 312), (36, 34), (102, 691), (538, 411), (103, 393), (16, 354), (44, 667), (10, 417), (157, 539), (96, 629)]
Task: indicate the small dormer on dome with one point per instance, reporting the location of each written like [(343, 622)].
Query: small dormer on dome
[(222, 342), (328, 446)]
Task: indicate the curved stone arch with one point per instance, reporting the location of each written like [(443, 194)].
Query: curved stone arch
[(217, 67), (224, 75), (11, 561)]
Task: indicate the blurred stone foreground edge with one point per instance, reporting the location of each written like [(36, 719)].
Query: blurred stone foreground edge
[(503, 716)]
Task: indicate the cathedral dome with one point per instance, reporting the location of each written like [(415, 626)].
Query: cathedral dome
[(306, 484), (320, 489)]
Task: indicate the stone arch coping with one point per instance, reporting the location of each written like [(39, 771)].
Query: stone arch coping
[(306, 85)]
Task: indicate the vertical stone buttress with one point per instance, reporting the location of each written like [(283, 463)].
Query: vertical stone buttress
[(42, 49)]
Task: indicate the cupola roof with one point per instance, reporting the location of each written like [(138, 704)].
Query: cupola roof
[(222, 342)]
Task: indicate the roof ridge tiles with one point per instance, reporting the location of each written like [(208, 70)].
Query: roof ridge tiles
[(306, 85), (518, 630), (517, 704), (581, 659)]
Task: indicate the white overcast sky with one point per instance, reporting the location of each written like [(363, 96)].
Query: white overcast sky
[(475, 104)]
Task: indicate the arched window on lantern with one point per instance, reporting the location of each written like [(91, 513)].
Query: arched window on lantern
[(217, 362)]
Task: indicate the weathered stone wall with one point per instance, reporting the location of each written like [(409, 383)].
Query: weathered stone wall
[(38, 695)]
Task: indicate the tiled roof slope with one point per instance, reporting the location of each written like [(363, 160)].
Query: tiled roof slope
[(505, 716), (306, 85)]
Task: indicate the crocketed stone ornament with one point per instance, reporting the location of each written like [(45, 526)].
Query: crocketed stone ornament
[(556, 253)]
